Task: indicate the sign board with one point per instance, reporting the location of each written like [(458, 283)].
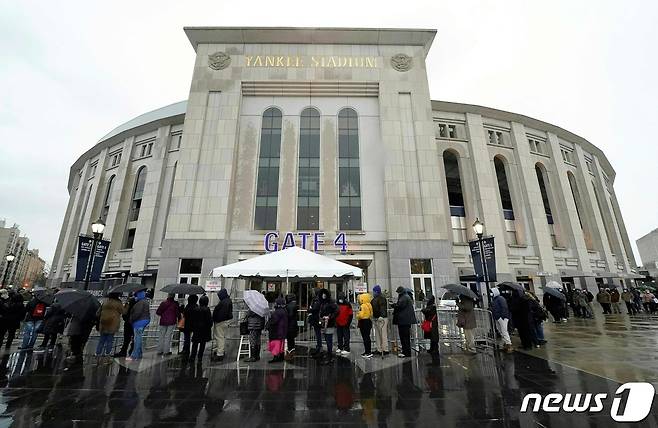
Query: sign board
[(314, 61), (489, 258), (212, 285), (315, 241), (84, 248), (361, 288), (271, 286)]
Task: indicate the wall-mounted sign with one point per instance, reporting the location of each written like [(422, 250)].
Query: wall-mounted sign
[(317, 61), (309, 241), (212, 285), (361, 288)]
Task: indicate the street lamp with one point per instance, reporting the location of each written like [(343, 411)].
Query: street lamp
[(97, 228), (10, 258), (478, 228)]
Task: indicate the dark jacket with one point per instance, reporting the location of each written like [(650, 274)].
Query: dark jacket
[(169, 312), (379, 306), (278, 326), (201, 324), (255, 321), (328, 308), (466, 314), (55, 320), (499, 308), (403, 310), (429, 312), (15, 312), (314, 309), (188, 312), (224, 309), (140, 311), (291, 310)]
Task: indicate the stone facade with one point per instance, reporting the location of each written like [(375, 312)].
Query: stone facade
[(200, 190)]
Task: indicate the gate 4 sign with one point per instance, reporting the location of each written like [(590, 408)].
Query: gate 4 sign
[(309, 241)]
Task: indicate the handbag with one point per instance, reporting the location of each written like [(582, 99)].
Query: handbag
[(181, 322), (426, 325)]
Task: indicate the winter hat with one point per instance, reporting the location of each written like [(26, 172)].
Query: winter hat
[(495, 292), (399, 290), (280, 302), (203, 301), (376, 290), (140, 295)]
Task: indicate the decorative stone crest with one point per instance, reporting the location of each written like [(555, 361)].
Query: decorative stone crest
[(401, 62), (219, 60)]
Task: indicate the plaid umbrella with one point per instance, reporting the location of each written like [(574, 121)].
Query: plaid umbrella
[(257, 302)]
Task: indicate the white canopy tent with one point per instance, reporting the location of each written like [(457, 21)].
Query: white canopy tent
[(293, 262)]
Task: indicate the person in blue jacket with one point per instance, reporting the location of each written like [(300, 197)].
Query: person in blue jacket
[(139, 318), (501, 316)]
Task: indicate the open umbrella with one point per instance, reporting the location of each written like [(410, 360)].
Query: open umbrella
[(80, 304), (555, 293), (183, 289), (256, 302), (461, 290), (44, 295), (129, 287), (553, 284), (513, 286)]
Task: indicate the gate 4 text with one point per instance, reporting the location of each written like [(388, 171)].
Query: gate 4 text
[(313, 240)]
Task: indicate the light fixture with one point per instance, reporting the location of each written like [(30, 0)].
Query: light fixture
[(98, 227), (478, 227), (10, 257)]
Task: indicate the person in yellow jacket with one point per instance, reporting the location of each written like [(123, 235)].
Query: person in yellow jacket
[(364, 317)]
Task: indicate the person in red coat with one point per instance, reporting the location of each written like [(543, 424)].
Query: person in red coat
[(343, 322)]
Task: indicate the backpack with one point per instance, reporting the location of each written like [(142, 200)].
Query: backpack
[(39, 310)]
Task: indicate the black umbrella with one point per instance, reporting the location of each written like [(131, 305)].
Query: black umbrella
[(555, 293), (129, 287), (183, 289), (80, 304), (44, 295), (461, 290), (513, 286)]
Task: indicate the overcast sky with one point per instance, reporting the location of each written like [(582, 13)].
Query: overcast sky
[(72, 71)]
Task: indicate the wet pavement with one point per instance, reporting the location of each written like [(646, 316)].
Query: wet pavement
[(485, 390)]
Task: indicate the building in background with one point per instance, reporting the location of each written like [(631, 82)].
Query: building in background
[(27, 265), (329, 139), (648, 248)]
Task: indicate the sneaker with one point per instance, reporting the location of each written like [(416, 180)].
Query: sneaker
[(338, 351), (377, 353), (40, 350), (368, 355), (345, 352), (401, 355)]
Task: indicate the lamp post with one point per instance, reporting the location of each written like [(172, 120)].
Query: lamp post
[(478, 228), (10, 258), (97, 228)]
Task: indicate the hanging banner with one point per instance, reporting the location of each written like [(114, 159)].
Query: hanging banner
[(84, 248), (489, 258)]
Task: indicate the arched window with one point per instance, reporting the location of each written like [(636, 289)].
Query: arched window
[(138, 193), (506, 200), (349, 175), (267, 185), (547, 205), (308, 186), (604, 219), (455, 196), (579, 209), (83, 213), (108, 197)]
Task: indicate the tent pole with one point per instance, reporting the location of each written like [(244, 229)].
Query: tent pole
[(287, 283)]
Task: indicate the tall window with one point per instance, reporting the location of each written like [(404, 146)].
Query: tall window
[(547, 204), (421, 276), (576, 197), (108, 197), (138, 193), (267, 187), (84, 209), (308, 186), (604, 219), (349, 181), (455, 196), (506, 199)]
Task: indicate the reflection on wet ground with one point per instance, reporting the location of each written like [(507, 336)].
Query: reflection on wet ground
[(483, 390)]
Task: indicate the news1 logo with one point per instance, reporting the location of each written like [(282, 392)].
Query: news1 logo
[(631, 403)]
